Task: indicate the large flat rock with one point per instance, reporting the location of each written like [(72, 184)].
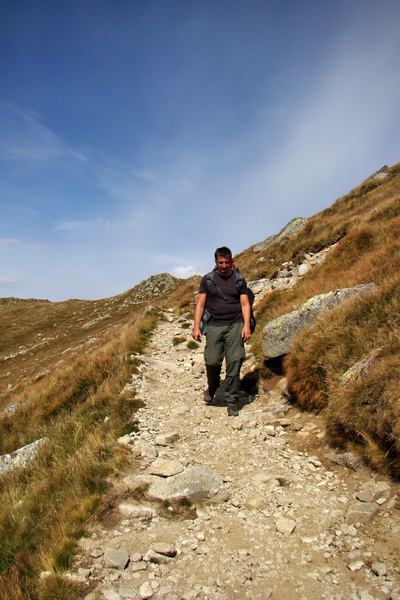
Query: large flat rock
[(194, 484)]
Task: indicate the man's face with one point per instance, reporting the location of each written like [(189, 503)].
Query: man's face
[(224, 264)]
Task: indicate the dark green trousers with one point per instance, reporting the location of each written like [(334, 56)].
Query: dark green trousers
[(224, 342)]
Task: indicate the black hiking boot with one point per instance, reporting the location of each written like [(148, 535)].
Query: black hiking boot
[(207, 397), (233, 411)]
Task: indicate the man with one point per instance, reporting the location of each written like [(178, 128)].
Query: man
[(227, 329)]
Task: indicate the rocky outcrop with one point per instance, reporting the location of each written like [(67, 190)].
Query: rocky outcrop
[(278, 334), (288, 275), (153, 287), (292, 229)]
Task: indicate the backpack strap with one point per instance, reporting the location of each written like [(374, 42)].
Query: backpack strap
[(239, 279), (210, 280)]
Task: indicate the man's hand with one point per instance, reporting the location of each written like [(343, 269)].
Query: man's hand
[(198, 314), (246, 333), (196, 334)]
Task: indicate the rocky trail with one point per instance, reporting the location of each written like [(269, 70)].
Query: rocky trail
[(222, 508)]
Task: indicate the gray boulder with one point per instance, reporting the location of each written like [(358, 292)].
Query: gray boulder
[(290, 230), (21, 458), (278, 334)]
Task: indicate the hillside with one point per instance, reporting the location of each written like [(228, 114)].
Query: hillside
[(64, 368)]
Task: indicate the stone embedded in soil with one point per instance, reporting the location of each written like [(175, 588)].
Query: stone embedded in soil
[(111, 595), (165, 439), (286, 526), (145, 591), (135, 482), (156, 558), (361, 512), (379, 569), (372, 491), (346, 459), (164, 548), (165, 468), (137, 512), (194, 484), (116, 559)]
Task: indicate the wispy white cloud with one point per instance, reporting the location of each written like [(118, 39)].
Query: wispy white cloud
[(184, 271), (25, 138), (92, 224)]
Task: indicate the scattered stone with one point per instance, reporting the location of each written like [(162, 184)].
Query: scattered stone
[(136, 482), (190, 544), (116, 559), (166, 439), (165, 468), (286, 526), (256, 503), (361, 368), (10, 410), (111, 595), (379, 569), (145, 591), (360, 512), (356, 565), (346, 459), (164, 548), (157, 558), (269, 430), (137, 512), (372, 491), (150, 452), (45, 574), (128, 591)]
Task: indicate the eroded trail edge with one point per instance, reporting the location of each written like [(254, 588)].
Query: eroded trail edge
[(266, 512)]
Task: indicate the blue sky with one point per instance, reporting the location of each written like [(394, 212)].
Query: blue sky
[(136, 136)]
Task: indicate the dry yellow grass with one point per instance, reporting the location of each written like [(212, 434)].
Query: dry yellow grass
[(80, 410)]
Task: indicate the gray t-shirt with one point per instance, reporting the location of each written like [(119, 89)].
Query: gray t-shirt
[(223, 299)]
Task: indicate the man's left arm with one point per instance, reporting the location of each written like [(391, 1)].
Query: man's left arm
[(246, 312)]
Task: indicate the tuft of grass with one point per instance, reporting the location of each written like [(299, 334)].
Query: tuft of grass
[(55, 587), (178, 340), (192, 345)]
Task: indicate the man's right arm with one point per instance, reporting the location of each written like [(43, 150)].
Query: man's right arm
[(198, 314)]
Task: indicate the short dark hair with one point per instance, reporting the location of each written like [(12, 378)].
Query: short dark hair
[(223, 251)]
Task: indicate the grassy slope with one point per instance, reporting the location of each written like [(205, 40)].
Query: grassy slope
[(366, 226)]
